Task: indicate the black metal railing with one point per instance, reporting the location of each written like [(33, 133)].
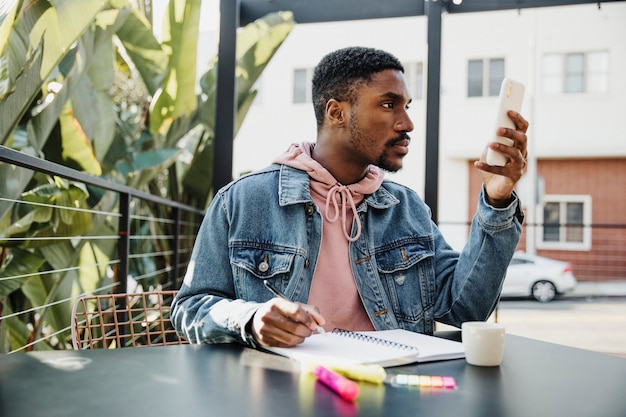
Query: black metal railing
[(130, 241)]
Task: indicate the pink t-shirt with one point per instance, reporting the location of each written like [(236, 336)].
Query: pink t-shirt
[(333, 290)]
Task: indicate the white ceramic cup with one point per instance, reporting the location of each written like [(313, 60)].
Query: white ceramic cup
[(483, 342)]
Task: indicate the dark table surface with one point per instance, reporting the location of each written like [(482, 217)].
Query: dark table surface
[(535, 379)]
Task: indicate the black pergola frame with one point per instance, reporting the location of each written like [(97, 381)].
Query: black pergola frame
[(236, 13)]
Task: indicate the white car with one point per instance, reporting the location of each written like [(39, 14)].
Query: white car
[(537, 276)]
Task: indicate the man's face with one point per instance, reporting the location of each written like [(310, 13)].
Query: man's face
[(379, 121)]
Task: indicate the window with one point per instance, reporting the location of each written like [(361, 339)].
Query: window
[(552, 74), (518, 261), (565, 222), (597, 72), (302, 85), (496, 75), (475, 79), (414, 75), (573, 73), (484, 77)]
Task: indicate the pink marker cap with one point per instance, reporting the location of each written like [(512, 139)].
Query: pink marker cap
[(347, 389), (449, 382)]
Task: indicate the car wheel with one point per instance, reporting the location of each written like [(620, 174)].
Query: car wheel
[(544, 291)]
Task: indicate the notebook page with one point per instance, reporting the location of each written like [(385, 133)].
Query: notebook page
[(431, 348), (337, 348)]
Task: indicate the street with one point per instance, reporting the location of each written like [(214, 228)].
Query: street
[(597, 323)]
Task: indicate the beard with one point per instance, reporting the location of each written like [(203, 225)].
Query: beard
[(361, 140)]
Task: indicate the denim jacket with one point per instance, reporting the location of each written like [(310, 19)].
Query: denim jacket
[(266, 226)]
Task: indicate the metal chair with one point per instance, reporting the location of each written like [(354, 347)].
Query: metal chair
[(123, 320)]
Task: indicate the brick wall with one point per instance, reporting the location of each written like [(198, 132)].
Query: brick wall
[(605, 181)]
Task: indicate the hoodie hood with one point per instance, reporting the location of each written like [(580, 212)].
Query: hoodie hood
[(339, 197)]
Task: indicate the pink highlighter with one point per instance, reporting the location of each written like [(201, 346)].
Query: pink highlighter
[(347, 389)]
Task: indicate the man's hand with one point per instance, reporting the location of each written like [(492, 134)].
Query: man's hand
[(282, 323), (500, 181)]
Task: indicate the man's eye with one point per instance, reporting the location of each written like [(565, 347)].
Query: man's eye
[(388, 105)]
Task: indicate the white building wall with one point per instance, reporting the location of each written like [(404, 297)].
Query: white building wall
[(572, 125), (563, 126), (275, 122), (584, 125)]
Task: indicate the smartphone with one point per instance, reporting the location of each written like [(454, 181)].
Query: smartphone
[(511, 98)]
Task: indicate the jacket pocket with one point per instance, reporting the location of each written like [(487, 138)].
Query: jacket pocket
[(405, 268), (254, 262)]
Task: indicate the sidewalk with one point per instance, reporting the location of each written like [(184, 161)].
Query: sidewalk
[(599, 289), (593, 323)]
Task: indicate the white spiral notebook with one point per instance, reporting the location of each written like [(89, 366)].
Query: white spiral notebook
[(386, 348)]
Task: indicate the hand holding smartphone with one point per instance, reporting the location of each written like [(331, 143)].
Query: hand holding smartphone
[(511, 98)]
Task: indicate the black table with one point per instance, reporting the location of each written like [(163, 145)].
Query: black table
[(535, 379)]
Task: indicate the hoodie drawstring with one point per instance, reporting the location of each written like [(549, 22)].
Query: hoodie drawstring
[(345, 195)]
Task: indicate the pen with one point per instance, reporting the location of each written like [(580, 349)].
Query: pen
[(279, 294)]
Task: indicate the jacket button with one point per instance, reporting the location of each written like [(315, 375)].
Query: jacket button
[(309, 209), (264, 266)]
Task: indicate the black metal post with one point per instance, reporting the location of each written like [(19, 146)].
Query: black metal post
[(123, 252), (175, 271), (431, 194), (226, 94), (123, 244)]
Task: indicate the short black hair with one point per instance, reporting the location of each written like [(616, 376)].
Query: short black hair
[(339, 72)]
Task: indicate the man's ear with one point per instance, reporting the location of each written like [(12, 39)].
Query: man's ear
[(336, 112)]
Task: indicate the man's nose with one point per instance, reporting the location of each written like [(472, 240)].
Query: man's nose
[(404, 123)]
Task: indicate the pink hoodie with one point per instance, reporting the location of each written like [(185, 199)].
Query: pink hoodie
[(333, 290)]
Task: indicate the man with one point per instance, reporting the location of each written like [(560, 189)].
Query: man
[(348, 248)]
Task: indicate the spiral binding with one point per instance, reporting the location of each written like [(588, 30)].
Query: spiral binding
[(374, 340)]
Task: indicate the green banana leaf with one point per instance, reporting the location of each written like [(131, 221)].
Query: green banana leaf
[(146, 165), (144, 50), (6, 22), (14, 180), (44, 219), (57, 61), (21, 262), (257, 43), (177, 96), (76, 144), (91, 103), (17, 334), (79, 99), (40, 35), (44, 289)]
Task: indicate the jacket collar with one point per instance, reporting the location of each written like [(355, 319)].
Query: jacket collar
[(293, 188)]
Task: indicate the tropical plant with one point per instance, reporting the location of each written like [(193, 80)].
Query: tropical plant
[(85, 83)]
